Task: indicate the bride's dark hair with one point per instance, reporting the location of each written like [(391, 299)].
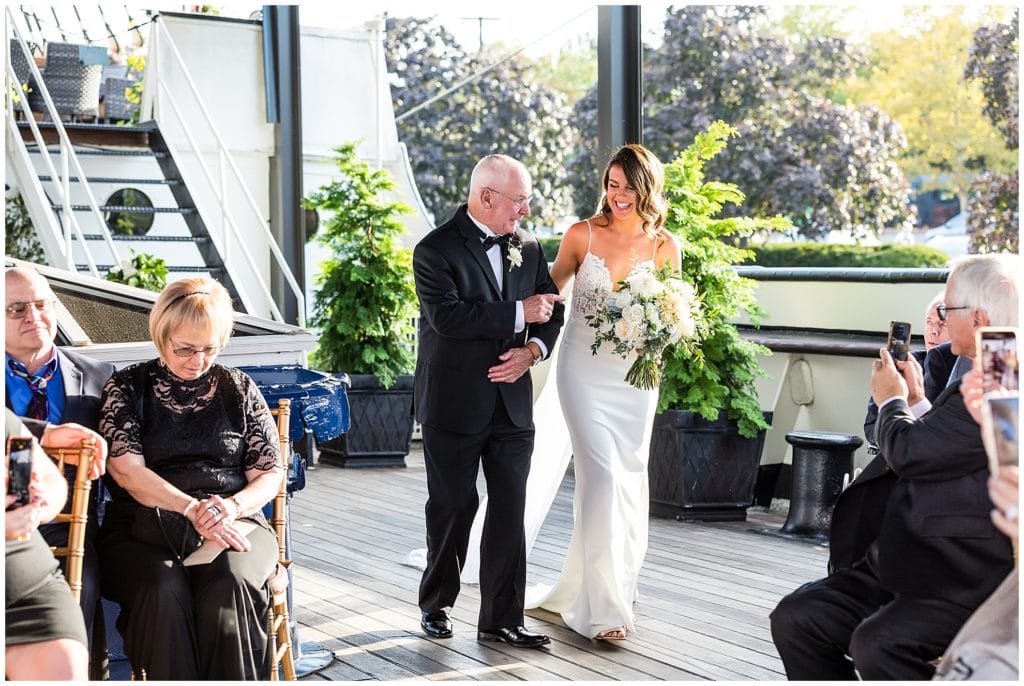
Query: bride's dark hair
[(645, 174)]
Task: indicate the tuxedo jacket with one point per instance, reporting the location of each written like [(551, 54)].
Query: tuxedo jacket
[(858, 513), (466, 322), (937, 538)]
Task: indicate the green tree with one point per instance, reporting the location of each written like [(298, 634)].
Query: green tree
[(823, 165), (365, 298), (914, 75), (573, 71), (493, 108)]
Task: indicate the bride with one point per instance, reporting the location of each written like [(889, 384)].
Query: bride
[(609, 422)]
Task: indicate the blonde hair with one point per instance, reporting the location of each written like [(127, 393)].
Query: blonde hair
[(646, 175), (201, 303)]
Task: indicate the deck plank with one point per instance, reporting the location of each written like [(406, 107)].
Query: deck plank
[(702, 612)]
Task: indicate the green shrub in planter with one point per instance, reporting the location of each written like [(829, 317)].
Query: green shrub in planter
[(365, 299), (719, 376)]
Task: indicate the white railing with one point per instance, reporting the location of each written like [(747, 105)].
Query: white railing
[(228, 172), (55, 236)]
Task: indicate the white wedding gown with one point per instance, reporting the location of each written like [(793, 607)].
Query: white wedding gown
[(610, 427)]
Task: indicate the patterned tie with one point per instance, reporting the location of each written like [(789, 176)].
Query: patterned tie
[(39, 406)]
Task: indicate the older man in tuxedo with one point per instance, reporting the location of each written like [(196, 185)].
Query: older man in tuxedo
[(489, 310), (937, 555), (54, 386)]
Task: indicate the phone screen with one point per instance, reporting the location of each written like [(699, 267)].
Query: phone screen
[(999, 431), (997, 349), (899, 340), (19, 469)]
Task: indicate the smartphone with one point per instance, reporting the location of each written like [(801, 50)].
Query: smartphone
[(19, 469), (997, 354), (899, 340), (999, 430)]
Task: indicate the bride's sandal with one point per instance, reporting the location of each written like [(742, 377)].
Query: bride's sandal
[(616, 634)]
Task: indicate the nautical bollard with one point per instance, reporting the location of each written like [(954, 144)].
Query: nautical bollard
[(820, 461)]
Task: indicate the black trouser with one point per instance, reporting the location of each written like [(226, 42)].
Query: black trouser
[(204, 622), (452, 463), (826, 628)]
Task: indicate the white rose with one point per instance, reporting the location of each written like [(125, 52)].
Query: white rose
[(635, 313), (622, 299), (127, 268)]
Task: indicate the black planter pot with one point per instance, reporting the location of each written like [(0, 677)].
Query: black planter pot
[(701, 470), (381, 432)]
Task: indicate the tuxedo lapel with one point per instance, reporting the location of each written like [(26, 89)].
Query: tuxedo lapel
[(510, 282)]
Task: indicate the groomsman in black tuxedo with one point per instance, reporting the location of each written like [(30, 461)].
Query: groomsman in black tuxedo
[(488, 312)]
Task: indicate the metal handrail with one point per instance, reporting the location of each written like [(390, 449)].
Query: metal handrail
[(67, 154), (282, 264)]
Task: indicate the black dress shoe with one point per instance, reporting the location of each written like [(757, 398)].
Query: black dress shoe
[(516, 636), (436, 624)]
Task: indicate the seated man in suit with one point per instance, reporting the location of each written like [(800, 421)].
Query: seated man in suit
[(54, 386), (937, 555)]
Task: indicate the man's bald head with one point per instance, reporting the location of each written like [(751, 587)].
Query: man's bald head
[(500, 190)]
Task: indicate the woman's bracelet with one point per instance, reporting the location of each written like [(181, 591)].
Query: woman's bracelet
[(238, 505), (192, 503)]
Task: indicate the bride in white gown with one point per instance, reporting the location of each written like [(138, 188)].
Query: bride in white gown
[(609, 422)]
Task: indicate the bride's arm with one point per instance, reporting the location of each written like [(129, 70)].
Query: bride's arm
[(668, 251), (570, 253)]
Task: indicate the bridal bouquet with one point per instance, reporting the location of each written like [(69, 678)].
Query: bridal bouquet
[(651, 310)]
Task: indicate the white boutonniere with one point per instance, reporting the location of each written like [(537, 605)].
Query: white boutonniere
[(515, 252)]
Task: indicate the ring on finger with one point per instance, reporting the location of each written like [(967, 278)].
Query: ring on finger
[(1012, 513)]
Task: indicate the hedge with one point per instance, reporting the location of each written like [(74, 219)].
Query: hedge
[(821, 255)]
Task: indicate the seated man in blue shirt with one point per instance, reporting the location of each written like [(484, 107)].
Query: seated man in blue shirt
[(54, 386)]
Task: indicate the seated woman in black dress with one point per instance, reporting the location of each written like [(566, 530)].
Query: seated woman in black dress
[(44, 629), (193, 455)]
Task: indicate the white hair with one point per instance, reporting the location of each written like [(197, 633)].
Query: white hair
[(987, 282)]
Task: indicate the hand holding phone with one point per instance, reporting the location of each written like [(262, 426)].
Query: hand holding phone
[(899, 340)]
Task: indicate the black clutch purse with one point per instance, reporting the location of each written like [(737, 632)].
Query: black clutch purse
[(165, 529)]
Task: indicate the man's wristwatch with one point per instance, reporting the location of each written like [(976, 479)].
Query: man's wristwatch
[(536, 352)]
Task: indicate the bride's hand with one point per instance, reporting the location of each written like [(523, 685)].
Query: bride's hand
[(514, 363)]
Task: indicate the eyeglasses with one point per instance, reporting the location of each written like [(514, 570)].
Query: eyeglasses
[(518, 202), (19, 308), (209, 351), (941, 310)]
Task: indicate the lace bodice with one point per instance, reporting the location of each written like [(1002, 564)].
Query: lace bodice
[(592, 286)]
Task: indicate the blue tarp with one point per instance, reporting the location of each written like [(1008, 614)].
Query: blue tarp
[(319, 400)]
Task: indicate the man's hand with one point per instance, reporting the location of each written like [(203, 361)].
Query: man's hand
[(886, 380), (70, 436), (537, 309), (514, 363), (914, 376)]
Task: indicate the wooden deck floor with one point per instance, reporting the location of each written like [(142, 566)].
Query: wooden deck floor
[(705, 592)]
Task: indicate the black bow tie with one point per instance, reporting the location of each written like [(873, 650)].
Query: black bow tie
[(491, 241)]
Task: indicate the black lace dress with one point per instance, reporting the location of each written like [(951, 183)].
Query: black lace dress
[(186, 622)]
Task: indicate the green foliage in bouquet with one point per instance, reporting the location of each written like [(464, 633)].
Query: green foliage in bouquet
[(365, 299), (719, 373), (141, 270)]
